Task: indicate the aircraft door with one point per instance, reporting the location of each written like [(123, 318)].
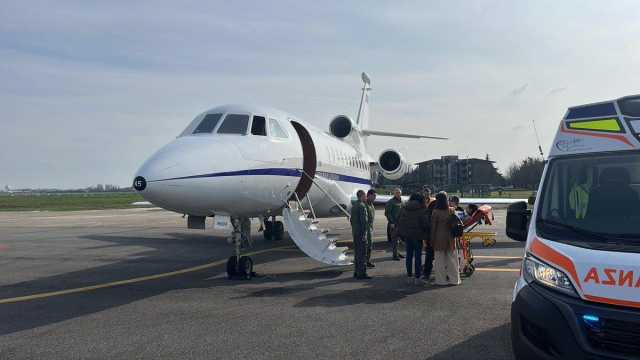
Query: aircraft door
[(309, 159)]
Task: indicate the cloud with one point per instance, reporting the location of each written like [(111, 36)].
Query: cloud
[(519, 90), (90, 89), (557, 90)]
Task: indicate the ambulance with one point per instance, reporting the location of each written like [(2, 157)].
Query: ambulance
[(578, 293)]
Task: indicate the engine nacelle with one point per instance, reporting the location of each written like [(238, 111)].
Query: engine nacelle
[(393, 165), (341, 126)]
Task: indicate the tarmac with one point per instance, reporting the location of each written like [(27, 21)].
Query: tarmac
[(136, 284)]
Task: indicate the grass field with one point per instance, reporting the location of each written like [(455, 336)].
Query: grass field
[(62, 202)]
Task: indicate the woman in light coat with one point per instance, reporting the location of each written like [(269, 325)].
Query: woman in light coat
[(444, 244)]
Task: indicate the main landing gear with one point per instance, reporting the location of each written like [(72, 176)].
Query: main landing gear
[(238, 266), (273, 230)]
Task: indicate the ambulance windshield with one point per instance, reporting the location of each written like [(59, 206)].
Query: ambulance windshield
[(592, 199)]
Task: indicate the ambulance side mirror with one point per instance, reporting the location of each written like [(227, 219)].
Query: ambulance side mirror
[(518, 216)]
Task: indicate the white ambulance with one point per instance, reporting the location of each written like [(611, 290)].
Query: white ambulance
[(578, 295)]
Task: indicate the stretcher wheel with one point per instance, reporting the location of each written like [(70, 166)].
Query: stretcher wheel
[(488, 242), (468, 270)]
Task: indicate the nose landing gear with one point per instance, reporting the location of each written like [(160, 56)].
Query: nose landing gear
[(238, 266)]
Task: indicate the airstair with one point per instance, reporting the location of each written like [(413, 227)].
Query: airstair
[(303, 227)]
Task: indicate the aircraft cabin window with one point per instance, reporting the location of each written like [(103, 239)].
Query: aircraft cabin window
[(259, 126), (276, 130), (208, 124), (234, 124)]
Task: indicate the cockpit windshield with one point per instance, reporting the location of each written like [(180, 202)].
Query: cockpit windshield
[(592, 199), (234, 124), (207, 124)]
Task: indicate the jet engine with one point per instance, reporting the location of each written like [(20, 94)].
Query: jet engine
[(341, 126), (393, 166)]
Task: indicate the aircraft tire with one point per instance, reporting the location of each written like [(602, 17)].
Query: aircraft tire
[(278, 230), (245, 268), (231, 267)]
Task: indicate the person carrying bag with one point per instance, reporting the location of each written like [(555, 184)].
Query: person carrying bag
[(445, 226)]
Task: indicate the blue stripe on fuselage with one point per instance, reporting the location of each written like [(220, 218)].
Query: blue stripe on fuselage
[(273, 172)]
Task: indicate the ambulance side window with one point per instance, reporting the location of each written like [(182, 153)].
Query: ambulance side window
[(551, 203)]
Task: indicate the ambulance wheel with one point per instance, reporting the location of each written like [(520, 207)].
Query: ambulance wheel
[(231, 267), (278, 230), (268, 230), (245, 268)]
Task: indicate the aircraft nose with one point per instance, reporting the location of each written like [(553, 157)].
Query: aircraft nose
[(166, 177)]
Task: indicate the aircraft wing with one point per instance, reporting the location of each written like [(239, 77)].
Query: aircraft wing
[(400, 135)]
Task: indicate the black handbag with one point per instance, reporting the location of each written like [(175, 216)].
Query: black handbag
[(457, 228)]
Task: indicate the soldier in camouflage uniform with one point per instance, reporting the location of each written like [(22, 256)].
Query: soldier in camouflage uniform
[(392, 213), (359, 226), (371, 212)]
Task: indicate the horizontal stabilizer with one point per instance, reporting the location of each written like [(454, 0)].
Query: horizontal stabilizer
[(400, 135)]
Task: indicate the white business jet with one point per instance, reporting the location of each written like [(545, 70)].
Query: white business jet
[(237, 162)]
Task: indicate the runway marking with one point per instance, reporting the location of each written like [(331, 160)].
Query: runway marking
[(129, 281), (498, 269), (497, 257)]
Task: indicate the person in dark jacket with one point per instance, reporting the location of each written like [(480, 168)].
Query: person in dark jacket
[(413, 226), (359, 226), (454, 202), (392, 213), (429, 255)]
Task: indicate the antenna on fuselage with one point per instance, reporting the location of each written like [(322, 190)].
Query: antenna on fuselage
[(535, 130)]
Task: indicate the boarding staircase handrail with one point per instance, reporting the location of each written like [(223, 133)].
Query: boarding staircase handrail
[(344, 211)]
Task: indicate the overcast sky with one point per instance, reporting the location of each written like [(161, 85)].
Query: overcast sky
[(89, 90)]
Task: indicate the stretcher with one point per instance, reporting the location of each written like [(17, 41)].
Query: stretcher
[(482, 216)]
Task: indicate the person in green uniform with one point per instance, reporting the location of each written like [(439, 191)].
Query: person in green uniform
[(359, 225), (371, 212), (392, 213), (580, 193)]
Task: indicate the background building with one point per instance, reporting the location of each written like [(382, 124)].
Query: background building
[(450, 173)]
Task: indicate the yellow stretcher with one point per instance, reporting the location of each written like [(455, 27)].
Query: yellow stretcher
[(465, 255)]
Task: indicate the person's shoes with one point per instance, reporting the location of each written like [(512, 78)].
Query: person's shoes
[(401, 256), (419, 282), (370, 265), (363, 277), (396, 258)]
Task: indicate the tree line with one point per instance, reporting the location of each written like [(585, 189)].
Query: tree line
[(526, 173)]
